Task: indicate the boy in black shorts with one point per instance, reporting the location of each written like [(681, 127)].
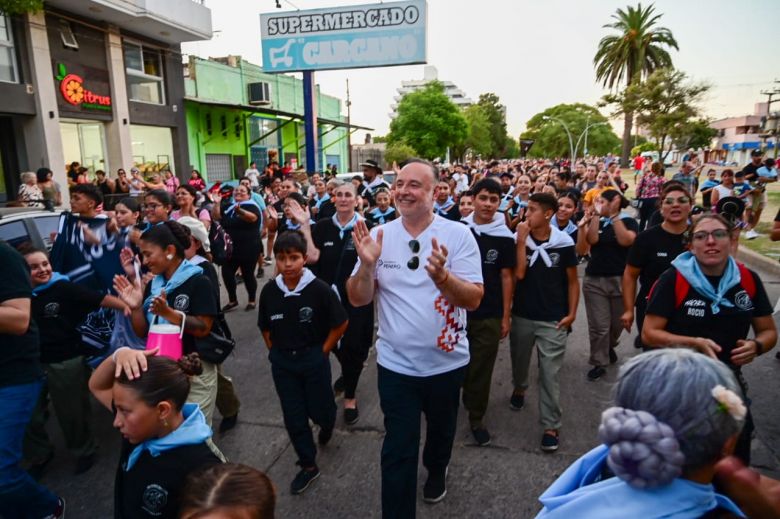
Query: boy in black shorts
[(301, 320)]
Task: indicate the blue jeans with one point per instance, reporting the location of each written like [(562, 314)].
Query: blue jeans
[(404, 399), (20, 496)]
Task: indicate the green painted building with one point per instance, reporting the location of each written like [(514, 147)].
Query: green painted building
[(237, 114)]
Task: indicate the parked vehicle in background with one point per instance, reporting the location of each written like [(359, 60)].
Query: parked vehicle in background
[(20, 225)]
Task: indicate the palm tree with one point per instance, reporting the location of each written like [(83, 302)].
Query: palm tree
[(639, 48)]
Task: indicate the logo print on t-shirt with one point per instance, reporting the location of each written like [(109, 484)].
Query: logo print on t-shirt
[(742, 300), (182, 302), (305, 314), (451, 333), (555, 258), (154, 499), (51, 310), (491, 256)]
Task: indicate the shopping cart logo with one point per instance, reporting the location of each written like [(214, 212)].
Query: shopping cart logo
[(281, 55)]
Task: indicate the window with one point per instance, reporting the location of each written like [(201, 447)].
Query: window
[(8, 69), (67, 36), (144, 74)]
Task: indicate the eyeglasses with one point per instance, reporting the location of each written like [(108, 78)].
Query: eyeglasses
[(669, 200), (414, 263), (152, 207), (717, 234)]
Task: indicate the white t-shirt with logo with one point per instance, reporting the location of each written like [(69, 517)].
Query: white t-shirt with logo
[(421, 333)]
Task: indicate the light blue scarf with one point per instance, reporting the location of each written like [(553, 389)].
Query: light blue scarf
[(319, 201), (570, 227), (579, 493), (347, 227), (442, 209), (379, 216), (607, 221), (192, 431), (185, 271), (687, 265), (232, 208), (56, 277)]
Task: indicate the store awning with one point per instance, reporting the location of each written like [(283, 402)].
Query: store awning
[(280, 113)]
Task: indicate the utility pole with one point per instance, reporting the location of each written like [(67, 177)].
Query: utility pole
[(774, 130), (349, 131)]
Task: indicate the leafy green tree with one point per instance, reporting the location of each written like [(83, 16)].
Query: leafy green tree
[(478, 139), (645, 146), (694, 134), (428, 122), (638, 49), (666, 104), (511, 148), (398, 153), (20, 6), (496, 114), (379, 139), (551, 139)]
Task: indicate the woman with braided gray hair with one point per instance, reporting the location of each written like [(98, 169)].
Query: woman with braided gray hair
[(676, 414)]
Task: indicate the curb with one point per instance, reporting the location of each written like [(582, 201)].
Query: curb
[(758, 261)]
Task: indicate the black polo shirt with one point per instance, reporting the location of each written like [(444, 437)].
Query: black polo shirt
[(19, 354), (653, 252), (302, 321), (607, 256), (337, 255), (694, 317), (497, 253), (59, 310)]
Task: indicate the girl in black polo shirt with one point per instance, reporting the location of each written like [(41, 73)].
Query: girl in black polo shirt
[(331, 250), (708, 302), (163, 438)]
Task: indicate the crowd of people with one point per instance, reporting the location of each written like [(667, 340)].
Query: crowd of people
[(444, 263)]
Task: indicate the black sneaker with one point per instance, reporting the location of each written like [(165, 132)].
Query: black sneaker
[(550, 442), (613, 358), (481, 436), (59, 512), (303, 479), (260, 273), (324, 436), (435, 487), (228, 422), (338, 386), (351, 416), (596, 373), (84, 463), (516, 401)]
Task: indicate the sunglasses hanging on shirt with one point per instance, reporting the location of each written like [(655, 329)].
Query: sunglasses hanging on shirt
[(414, 263)]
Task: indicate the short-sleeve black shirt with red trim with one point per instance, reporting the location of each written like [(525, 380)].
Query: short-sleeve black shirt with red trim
[(694, 317)]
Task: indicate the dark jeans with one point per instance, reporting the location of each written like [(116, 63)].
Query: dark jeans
[(745, 439), (353, 348), (484, 337), (302, 380), (247, 266), (403, 399), (649, 205), (20, 496), (640, 308)]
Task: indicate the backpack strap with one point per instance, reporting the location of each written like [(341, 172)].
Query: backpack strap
[(747, 280), (681, 287)]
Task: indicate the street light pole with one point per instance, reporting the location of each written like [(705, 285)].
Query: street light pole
[(568, 133), (585, 134)]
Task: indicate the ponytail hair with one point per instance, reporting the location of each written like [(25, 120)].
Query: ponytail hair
[(165, 379), (666, 420)]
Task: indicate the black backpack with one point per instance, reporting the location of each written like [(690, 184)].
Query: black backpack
[(221, 244)]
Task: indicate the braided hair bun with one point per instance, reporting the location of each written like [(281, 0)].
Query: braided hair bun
[(190, 364), (643, 451)]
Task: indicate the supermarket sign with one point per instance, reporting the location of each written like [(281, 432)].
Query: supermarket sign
[(357, 36)]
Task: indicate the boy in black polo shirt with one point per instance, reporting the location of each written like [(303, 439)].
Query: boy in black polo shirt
[(301, 320), (489, 323), (545, 305)]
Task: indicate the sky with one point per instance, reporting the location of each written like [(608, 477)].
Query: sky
[(535, 54)]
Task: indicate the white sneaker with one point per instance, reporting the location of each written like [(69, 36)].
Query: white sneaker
[(751, 234)]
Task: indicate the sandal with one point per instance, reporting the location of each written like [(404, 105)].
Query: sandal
[(231, 305), (250, 306)]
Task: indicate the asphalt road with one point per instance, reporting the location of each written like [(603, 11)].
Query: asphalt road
[(502, 480)]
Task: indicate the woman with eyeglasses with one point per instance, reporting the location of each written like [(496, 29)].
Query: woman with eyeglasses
[(186, 196), (157, 207), (609, 233), (652, 253), (708, 302), (333, 254)]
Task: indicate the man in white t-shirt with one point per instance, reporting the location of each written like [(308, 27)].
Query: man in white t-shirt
[(253, 175), (425, 272)]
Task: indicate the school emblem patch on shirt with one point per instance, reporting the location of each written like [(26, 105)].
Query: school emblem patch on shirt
[(182, 302), (154, 499), (305, 314), (742, 301), (51, 310)]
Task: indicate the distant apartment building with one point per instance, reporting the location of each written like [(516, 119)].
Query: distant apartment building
[(430, 73), (738, 136)]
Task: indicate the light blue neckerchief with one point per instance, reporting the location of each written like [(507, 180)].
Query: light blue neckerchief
[(319, 201), (579, 493), (192, 431), (185, 271), (442, 209), (291, 225), (570, 227), (345, 228), (232, 208), (607, 221), (379, 216), (687, 265), (56, 277)]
